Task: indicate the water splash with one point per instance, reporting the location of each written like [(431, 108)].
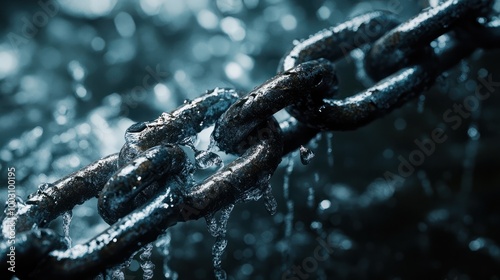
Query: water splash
[(190, 142), (269, 200), (305, 155), (207, 159), (221, 242), (146, 264), (116, 273), (42, 188), (204, 159), (254, 194), (163, 244), (67, 216)]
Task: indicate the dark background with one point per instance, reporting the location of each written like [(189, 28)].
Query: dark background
[(71, 86)]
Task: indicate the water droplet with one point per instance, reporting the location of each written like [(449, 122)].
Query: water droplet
[(224, 218), (476, 244), (305, 155), (315, 225), (329, 142), (471, 150), (252, 195), (206, 159), (310, 196), (270, 200), (163, 244), (19, 202), (421, 104), (211, 224), (116, 272), (286, 177), (464, 72), (146, 264), (76, 70), (221, 243), (400, 124), (473, 133), (288, 220), (67, 216), (42, 188), (325, 204)]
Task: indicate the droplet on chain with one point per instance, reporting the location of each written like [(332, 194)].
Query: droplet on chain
[(43, 187), (137, 127), (305, 155)]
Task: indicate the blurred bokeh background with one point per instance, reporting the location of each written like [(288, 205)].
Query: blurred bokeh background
[(75, 74)]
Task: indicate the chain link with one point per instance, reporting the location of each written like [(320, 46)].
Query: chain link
[(146, 188)]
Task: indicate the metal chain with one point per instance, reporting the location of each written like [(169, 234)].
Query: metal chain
[(147, 187)]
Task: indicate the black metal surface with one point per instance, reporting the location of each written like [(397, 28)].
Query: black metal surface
[(140, 180), (182, 123), (409, 42), (252, 131), (310, 80), (51, 200), (175, 203)]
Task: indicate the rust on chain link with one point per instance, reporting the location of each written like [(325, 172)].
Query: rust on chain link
[(147, 187)]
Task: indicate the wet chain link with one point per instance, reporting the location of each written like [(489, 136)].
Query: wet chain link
[(147, 187)]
